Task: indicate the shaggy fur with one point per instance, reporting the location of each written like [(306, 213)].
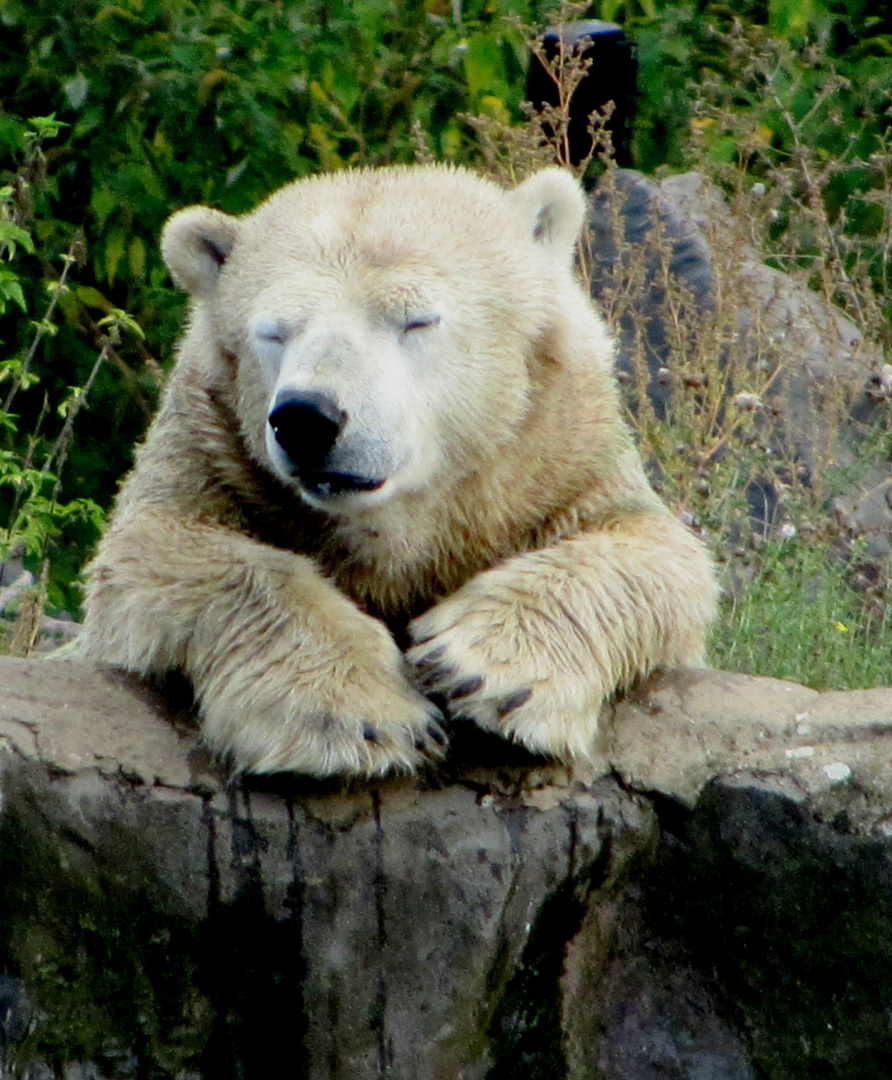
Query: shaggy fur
[(500, 528)]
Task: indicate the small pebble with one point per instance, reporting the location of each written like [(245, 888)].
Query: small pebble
[(837, 772)]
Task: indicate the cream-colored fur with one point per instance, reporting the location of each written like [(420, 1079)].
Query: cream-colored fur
[(482, 503)]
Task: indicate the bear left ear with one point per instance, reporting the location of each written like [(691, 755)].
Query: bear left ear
[(553, 204), (195, 243)]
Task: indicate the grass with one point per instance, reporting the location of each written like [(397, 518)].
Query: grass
[(802, 613)]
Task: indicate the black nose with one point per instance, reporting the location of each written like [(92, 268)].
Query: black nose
[(306, 425)]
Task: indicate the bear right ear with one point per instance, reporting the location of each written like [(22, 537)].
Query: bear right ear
[(195, 243)]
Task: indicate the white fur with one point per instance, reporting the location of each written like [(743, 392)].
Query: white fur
[(509, 517)]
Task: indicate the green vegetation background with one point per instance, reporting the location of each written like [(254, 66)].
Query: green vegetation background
[(155, 104)]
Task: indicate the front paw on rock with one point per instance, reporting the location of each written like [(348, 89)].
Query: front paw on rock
[(402, 736), (463, 696), (430, 740)]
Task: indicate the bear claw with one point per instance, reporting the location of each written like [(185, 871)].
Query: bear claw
[(514, 701), (432, 657), (433, 675), (466, 688), (437, 734)]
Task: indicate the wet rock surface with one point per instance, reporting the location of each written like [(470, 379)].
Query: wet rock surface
[(713, 899)]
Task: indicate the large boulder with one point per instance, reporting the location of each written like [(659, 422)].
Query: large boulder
[(678, 277), (712, 899)]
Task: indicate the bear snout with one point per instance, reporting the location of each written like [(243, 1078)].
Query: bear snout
[(306, 425)]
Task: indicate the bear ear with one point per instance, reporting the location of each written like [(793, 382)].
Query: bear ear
[(195, 243), (553, 204)]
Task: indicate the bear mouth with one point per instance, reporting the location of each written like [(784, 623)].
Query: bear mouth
[(330, 485)]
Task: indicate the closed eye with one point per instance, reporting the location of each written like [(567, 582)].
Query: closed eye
[(272, 334), (421, 322), (274, 331)]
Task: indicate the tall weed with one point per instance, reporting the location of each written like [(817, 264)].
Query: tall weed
[(757, 385), (34, 516)]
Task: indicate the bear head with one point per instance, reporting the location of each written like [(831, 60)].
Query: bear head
[(383, 327)]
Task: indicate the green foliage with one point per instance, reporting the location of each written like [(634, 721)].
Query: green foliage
[(683, 46), (33, 514), (171, 102)]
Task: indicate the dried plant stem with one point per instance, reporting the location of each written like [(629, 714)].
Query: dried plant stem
[(56, 458), (43, 327), (29, 614)]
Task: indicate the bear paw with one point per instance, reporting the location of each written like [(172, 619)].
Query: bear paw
[(356, 720), (510, 672)]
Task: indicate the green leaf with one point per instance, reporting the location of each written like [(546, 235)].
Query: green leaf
[(47, 127), (10, 235), (136, 256), (11, 290), (484, 69), (115, 246)]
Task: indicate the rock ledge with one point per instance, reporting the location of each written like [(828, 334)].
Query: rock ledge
[(712, 899)]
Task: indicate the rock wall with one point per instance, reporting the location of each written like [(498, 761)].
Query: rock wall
[(711, 901)]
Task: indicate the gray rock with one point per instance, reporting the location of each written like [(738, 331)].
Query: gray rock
[(162, 916), (645, 232), (712, 899)]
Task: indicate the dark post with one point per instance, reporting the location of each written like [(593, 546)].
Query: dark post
[(611, 77)]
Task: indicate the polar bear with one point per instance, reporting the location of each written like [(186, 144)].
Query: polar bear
[(389, 480)]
